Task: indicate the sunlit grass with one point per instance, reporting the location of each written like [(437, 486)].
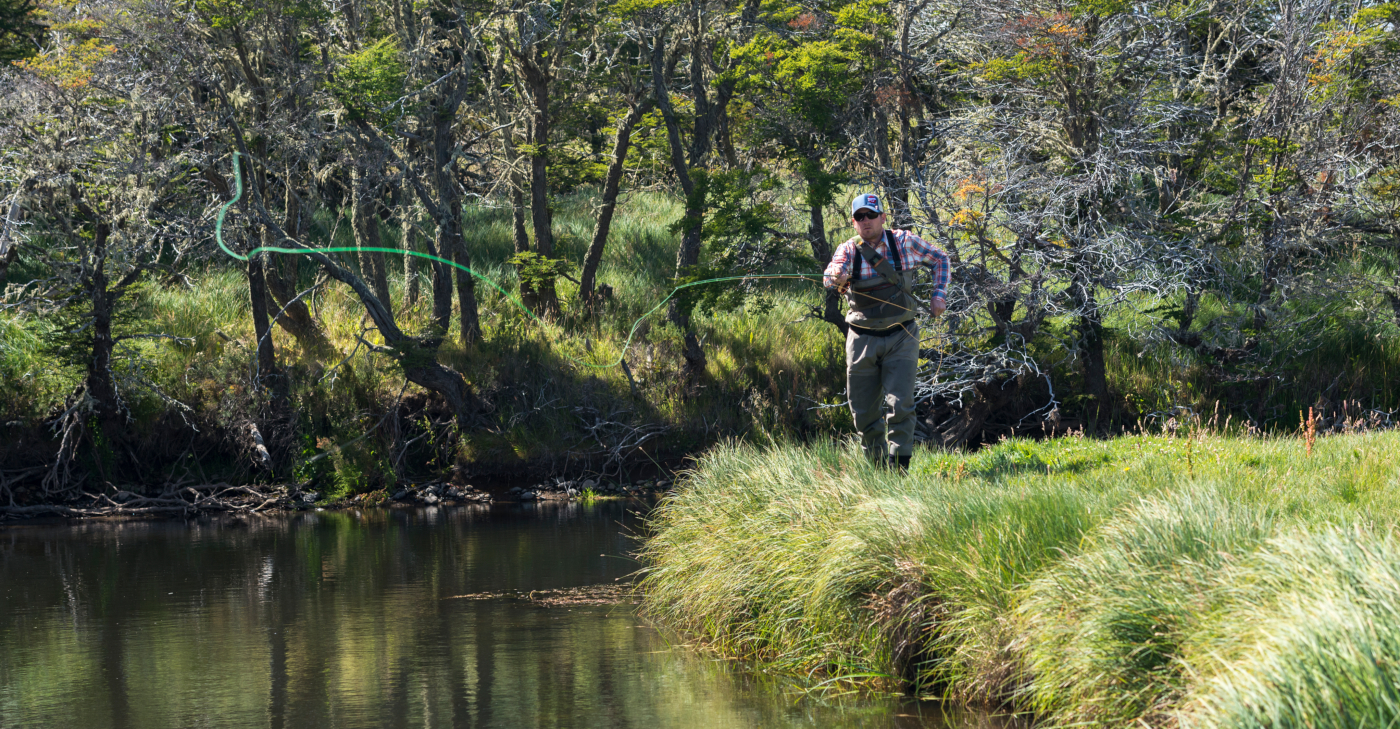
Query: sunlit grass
[(1096, 583)]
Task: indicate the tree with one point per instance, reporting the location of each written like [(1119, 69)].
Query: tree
[(809, 76), (106, 159), (253, 54), (540, 39), (1046, 177)]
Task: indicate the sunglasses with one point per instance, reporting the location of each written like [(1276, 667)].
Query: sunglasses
[(862, 215)]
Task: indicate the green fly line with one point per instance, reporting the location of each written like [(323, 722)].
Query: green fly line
[(238, 195)]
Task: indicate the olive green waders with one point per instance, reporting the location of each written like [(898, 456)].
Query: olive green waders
[(880, 381)]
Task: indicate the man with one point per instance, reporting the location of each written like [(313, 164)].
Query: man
[(875, 271)]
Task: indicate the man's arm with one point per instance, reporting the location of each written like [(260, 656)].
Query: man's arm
[(838, 271), (940, 271), (938, 265)]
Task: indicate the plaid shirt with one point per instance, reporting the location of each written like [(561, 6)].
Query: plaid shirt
[(912, 250)]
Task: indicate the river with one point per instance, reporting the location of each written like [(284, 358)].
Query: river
[(501, 616)]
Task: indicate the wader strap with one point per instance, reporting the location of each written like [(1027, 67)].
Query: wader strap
[(880, 263)]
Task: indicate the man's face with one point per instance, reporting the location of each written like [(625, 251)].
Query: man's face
[(870, 228)]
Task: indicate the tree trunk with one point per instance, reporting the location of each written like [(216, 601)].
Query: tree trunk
[(99, 382), (520, 237), (1392, 294), (587, 279), (717, 114), (262, 327), (724, 139), (449, 213), (819, 193), (1094, 369), (411, 264), (689, 253), (417, 356), (280, 274), (821, 250), (466, 284), (9, 238), (442, 284), (538, 81), (704, 113), (895, 185), (909, 117), (816, 234), (365, 223), (521, 241)]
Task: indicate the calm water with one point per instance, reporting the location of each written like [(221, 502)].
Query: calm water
[(359, 620)]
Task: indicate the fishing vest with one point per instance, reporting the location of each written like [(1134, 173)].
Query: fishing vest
[(885, 299)]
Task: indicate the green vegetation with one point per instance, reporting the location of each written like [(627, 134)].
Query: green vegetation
[(763, 359), (768, 364), (1146, 219), (1201, 580)]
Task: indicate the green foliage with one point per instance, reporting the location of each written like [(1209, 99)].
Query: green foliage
[(632, 8), (358, 470), (822, 185), (534, 270), (1101, 8), (812, 80), (29, 381), (309, 468), (21, 26), (569, 171), (370, 80), (226, 14), (864, 14), (738, 235), (71, 341)]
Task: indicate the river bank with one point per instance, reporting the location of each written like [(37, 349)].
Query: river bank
[(1201, 581), (273, 498)]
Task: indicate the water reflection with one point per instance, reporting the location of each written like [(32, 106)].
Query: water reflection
[(347, 619)]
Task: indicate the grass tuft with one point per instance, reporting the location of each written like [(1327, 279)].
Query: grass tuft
[(1210, 581)]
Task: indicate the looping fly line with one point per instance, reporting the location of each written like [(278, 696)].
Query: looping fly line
[(238, 195)]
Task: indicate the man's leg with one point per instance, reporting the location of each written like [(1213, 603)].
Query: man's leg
[(863, 389), (900, 365)]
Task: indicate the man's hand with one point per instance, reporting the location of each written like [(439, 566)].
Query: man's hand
[(937, 305)]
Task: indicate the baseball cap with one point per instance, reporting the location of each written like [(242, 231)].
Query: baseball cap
[(867, 200)]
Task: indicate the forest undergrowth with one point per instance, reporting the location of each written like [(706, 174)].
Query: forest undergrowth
[(554, 401), (551, 405)]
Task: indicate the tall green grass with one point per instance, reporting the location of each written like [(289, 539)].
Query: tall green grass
[(1207, 581), (1306, 634)]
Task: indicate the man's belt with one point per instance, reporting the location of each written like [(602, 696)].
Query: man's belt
[(876, 332)]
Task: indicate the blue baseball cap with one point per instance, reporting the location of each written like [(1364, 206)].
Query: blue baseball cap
[(868, 200)]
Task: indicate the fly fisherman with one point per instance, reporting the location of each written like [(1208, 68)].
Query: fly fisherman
[(875, 271)]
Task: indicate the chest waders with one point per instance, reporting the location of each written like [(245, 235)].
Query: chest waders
[(884, 300), (882, 356)]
